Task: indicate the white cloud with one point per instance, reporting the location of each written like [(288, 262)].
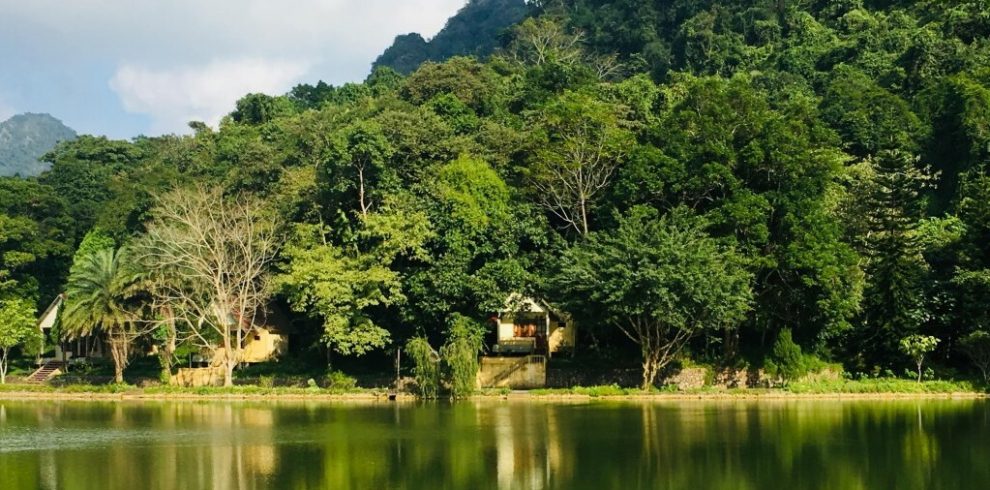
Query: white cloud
[(74, 47), (174, 96)]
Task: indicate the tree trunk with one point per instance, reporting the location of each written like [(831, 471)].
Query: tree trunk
[(3, 367), (364, 206), (228, 370), (584, 216), (118, 351), (919, 371), (651, 369)]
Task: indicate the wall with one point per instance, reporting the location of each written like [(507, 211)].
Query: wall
[(561, 338), (513, 372), (270, 346), (196, 377)]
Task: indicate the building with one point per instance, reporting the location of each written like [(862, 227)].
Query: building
[(528, 332), (267, 339), (530, 326), (83, 347)]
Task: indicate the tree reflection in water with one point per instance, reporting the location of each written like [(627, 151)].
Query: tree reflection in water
[(495, 444)]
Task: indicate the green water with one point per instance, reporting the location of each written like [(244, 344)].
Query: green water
[(496, 444)]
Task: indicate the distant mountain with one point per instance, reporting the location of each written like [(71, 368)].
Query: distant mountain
[(474, 30), (26, 137)]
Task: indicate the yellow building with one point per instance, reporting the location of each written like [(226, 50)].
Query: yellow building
[(264, 338), (530, 326)]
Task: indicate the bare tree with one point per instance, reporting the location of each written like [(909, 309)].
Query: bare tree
[(544, 40), (584, 144), (209, 256)]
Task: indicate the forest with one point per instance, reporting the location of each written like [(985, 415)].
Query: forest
[(733, 183)]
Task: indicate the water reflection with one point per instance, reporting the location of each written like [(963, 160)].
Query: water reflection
[(505, 445)]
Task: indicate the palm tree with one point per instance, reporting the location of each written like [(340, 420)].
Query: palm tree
[(97, 295)]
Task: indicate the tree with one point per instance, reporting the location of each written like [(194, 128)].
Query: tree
[(359, 155), (916, 346), (894, 301), (97, 300), (581, 144), (786, 359), (18, 327), (460, 354), (976, 345), (208, 257), (345, 283), (426, 366), (659, 279), (331, 282)]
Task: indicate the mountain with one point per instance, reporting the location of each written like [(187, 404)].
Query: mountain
[(474, 30), (26, 137)]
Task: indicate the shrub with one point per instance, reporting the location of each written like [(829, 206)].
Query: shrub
[(460, 354), (266, 381), (916, 346), (976, 345), (786, 361), (338, 381), (426, 367)]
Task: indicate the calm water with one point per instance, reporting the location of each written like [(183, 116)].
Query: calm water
[(494, 444)]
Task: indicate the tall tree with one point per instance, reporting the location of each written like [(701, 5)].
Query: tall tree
[(580, 144), (18, 328), (209, 259), (894, 299), (97, 300), (660, 280)]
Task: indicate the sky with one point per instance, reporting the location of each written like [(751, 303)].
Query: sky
[(124, 68)]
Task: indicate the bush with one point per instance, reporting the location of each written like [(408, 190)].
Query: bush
[(976, 345), (266, 381), (460, 354), (786, 361), (338, 381), (426, 367)]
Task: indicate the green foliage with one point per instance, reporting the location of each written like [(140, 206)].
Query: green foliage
[(786, 360), (326, 281), (18, 328), (832, 156), (426, 366), (976, 345), (460, 354), (916, 347), (660, 280), (339, 381), (97, 296)]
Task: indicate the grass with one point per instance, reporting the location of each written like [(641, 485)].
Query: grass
[(882, 385), (167, 390), (818, 387)]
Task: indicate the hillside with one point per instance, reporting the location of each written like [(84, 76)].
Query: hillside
[(747, 183), (26, 137), (474, 30)]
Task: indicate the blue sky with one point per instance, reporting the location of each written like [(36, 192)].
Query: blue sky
[(129, 67)]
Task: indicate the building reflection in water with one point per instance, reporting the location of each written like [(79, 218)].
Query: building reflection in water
[(493, 444)]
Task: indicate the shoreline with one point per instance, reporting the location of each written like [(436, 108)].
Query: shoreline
[(516, 396)]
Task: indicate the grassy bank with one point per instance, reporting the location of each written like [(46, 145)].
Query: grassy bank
[(166, 391), (875, 387)]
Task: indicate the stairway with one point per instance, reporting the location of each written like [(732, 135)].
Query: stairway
[(47, 371)]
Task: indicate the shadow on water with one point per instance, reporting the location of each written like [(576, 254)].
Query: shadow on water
[(807, 444)]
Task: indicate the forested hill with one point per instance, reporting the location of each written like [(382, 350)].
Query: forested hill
[(24, 138), (706, 178), (474, 30)]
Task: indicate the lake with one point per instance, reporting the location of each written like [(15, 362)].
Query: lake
[(804, 444)]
